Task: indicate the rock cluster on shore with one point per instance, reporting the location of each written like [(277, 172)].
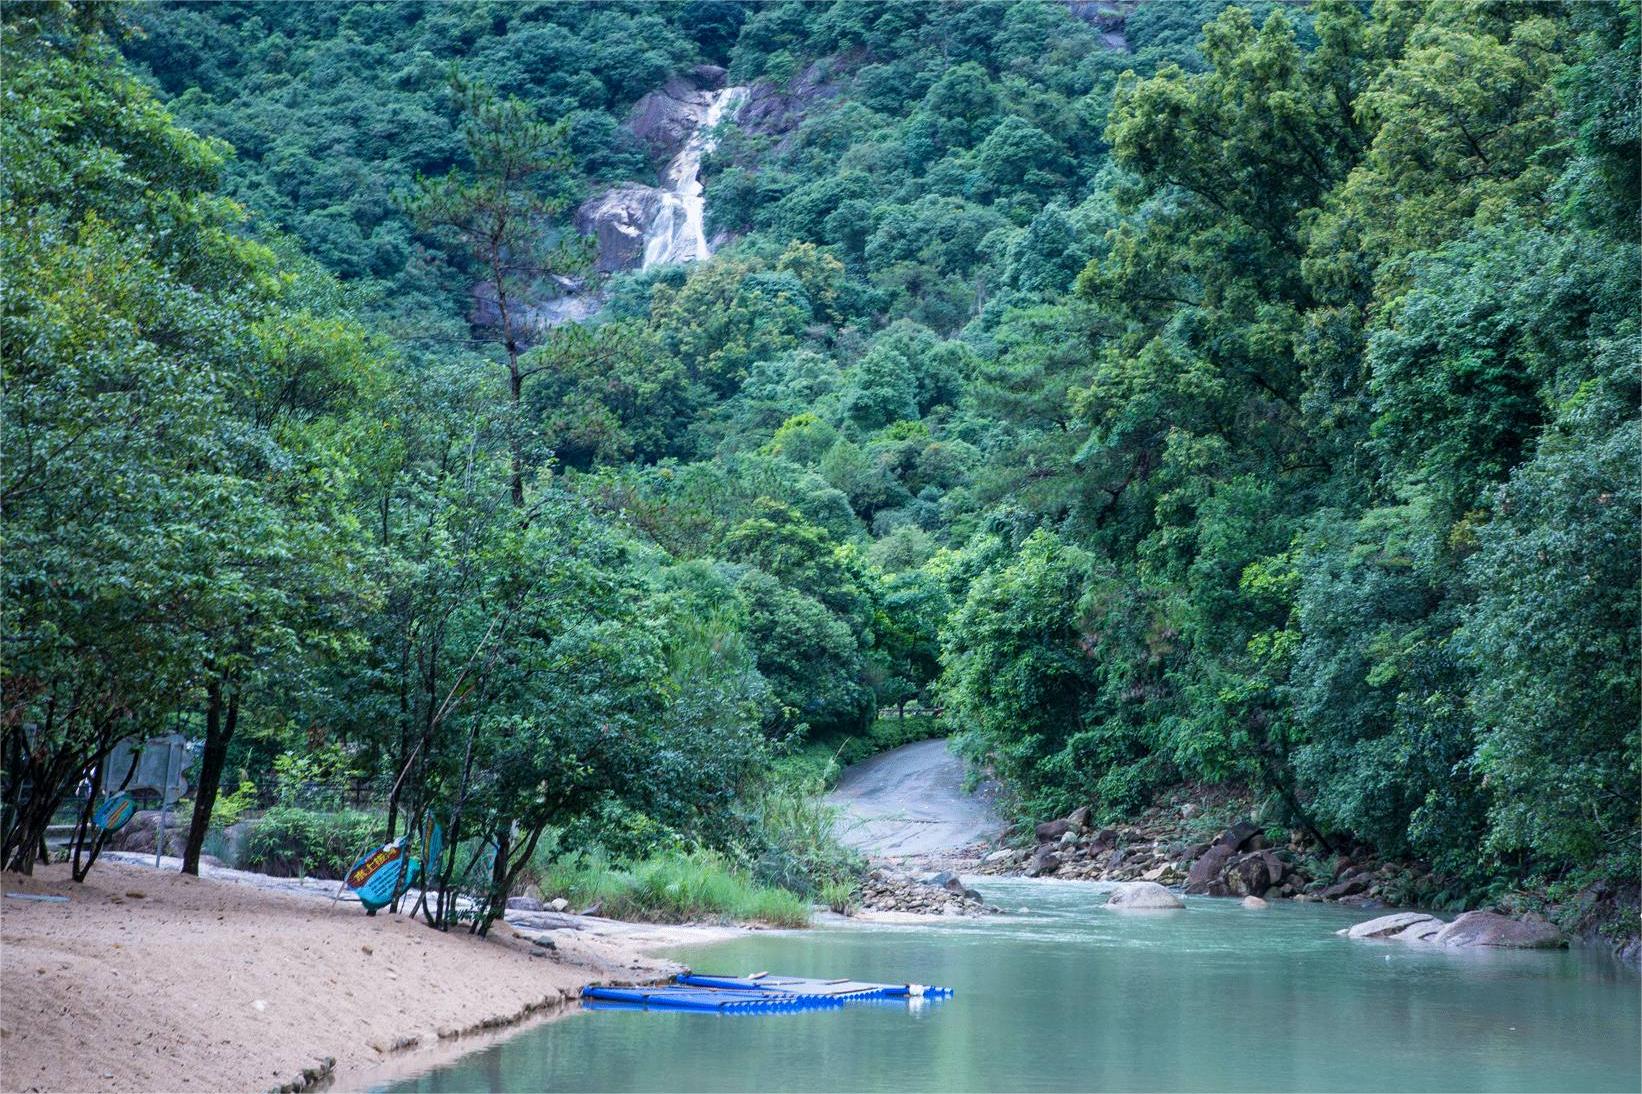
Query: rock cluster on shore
[(1162, 849), (1240, 861), (938, 894)]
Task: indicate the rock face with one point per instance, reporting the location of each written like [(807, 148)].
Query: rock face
[(772, 111), (616, 219), (1144, 896), (665, 118), (1107, 15), (1493, 929)]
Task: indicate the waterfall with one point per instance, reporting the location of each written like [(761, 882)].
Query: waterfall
[(678, 233)]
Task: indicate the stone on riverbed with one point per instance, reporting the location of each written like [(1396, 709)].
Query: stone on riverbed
[(1255, 903), (1143, 896), (1386, 926), (1493, 929)]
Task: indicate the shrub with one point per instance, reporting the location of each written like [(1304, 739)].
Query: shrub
[(887, 733), (838, 896), (796, 838), (290, 842), (230, 807), (673, 887)]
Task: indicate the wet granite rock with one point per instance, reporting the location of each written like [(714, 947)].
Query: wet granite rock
[(1387, 926), (1501, 931), (1144, 896), (617, 219)]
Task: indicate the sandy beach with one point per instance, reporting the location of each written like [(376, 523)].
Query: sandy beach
[(150, 980)]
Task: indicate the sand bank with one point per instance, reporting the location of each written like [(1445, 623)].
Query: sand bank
[(151, 980)]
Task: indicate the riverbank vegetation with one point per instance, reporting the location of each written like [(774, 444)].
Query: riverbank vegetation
[(674, 887), (1235, 394)]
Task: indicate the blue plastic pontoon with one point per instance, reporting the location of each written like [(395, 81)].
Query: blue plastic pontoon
[(810, 987), (699, 997)]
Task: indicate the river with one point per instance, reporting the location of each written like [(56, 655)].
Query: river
[(1072, 996)]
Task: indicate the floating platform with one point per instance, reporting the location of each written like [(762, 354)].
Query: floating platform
[(697, 997), (810, 987), (758, 992)]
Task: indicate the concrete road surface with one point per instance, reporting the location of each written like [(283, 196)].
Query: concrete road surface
[(910, 801)]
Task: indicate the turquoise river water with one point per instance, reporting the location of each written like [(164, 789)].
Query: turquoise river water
[(1073, 996)]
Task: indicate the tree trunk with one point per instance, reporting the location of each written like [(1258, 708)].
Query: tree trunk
[(515, 388), (219, 730), (501, 879)]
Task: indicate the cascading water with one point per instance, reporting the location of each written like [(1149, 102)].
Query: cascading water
[(679, 231)]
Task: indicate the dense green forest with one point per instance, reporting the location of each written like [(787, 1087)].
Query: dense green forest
[(1251, 400)]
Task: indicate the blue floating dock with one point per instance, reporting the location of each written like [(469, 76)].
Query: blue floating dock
[(810, 987), (759, 992), (698, 997)]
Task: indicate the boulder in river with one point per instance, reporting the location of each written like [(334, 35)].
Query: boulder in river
[(1255, 903), (1144, 896), (1386, 926), (1493, 929)]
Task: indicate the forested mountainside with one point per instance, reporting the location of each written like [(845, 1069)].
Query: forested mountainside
[(1169, 392)]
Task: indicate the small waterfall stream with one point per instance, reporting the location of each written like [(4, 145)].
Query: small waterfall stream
[(679, 231)]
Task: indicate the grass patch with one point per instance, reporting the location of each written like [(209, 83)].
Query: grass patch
[(674, 887)]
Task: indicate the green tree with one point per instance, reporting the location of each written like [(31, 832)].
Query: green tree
[(494, 214)]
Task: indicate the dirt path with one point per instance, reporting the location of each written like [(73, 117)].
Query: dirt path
[(146, 979), (910, 802)]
